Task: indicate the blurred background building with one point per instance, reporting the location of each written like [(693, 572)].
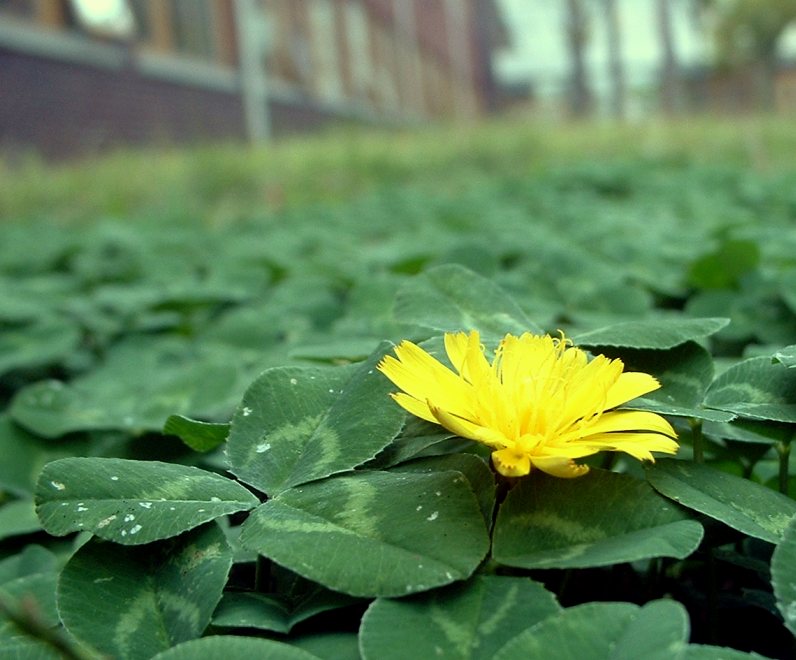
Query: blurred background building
[(77, 76)]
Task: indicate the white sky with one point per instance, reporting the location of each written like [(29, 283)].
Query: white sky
[(540, 54)]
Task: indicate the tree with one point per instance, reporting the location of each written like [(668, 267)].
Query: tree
[(748, 33), (616, 66), (577, 38), (670, 75)]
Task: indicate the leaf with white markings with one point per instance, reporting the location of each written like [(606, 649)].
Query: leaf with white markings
[(783, 575), (599, 519), (684, 372), (756, 388), (297, 425), (133, 502), (464, 621), (383, 534), (451, 298), (132, 604), (740, 503), (657, 334), (245, 648), (605, 631)]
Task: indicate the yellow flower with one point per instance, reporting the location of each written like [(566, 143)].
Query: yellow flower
[(540, 404)]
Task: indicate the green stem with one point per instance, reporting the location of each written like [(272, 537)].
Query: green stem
[(697, 439), (28, 621), (609, 460), (562, 589), (783, 450)]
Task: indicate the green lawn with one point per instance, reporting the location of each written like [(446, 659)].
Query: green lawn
[(191, 397), (221, 183)]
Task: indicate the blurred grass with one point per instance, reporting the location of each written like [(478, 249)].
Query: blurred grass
[(221, 183)]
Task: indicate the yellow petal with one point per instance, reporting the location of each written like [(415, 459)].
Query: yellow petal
[(414, 406), (511, 464), (629, 386), (559, 466), (421, 376), (467, 355), (638, 445), (626, 420), (589, 388), (456, 348), (468, 429)]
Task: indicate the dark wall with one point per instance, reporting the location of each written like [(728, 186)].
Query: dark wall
[(65, 110)]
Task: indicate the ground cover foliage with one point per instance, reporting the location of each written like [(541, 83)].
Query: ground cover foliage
[(201, 460)]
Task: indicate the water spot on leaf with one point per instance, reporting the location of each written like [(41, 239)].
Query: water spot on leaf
[(247, 411), (114, 478), (101, 580), (57, 485), (129, 517), (433, 516), (215, 499), (293, 381), (263, 447), (105, 522), (145, 505), (135, 529)]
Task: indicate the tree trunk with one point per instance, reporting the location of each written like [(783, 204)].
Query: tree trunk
[(616, 64), (764, 75), (577, 36), (671, 96)]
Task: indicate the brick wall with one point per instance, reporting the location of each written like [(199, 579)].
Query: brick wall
[(68, 109)]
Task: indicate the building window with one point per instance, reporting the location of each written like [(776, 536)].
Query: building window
[(21, 8), (360, 62), (289, 58), (193, 27), (188, 27), (143, 19), (386, 73), (323, 33)]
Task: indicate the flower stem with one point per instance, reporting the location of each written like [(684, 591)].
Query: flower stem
[(24, 616), (565, 583), (783, 451), (697, 439)]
